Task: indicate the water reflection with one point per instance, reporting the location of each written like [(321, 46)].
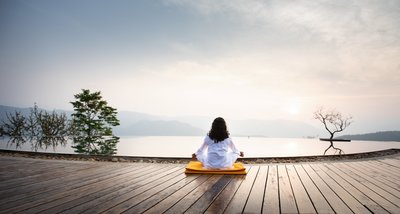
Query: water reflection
[(37, 143), (336, 149), (182, 146)]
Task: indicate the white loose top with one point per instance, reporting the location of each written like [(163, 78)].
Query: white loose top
[(217, 155)]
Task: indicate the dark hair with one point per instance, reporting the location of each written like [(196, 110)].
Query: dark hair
[(219, 131)]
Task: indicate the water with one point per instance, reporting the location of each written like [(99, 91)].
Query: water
[(183, 146)]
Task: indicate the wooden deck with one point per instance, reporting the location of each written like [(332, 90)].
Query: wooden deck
[(55, 186)]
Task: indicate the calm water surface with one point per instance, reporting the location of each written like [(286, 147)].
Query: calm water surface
[(182, 146)]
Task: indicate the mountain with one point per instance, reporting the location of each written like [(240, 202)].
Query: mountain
[(377, 136), (272, 128), (135, 123), (4, 110), (159, 128), (131, 123)]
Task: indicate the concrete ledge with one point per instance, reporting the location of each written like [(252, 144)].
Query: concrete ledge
[(258, 160)]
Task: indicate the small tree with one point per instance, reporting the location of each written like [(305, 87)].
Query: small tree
[(333, 122), (92, 124)]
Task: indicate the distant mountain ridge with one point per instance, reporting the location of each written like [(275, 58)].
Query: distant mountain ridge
[(131, 123), (141, 124), (377, 136)]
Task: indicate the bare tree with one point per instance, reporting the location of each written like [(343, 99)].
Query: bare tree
[(41, 128), (333, 122), (15, 127)]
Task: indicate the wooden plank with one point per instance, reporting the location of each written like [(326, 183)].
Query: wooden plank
[(371, 194), (133, 201), (362, 186), (41, 176), (208, 197), (363, 179), (40, 190), (90, 196), (56, 199), (374, 177), (125, 194), (168, 202), (360, 196), (336, 203), (286, 197), (32, 192), (271, 195), (37, 190), (352, 202), (379, 173), (392, 162), (320, 203), (31, 168), (383, 169), (160, 196), (303, 201), (135, 182), (223, 199), (393, 168), (256, 197), (183, 204), (239, 200)]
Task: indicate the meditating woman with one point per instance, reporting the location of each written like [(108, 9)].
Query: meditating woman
[(214, 153)]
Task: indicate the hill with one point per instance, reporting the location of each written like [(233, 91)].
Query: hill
[(377, 136)]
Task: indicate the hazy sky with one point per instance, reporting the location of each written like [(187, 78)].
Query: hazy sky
[(237, 59)]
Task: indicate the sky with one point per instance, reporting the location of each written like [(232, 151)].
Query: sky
[(253, 59)]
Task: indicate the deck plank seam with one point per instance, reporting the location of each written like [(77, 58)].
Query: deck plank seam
[(172, 205), (344, 202), (152, 187), (318, 189), (217, 195), (161, 190), (251, 188), (364, 182), (69, 193), (308, 194), (92, 195), (365, 195), (381, 184), (291, 188), (179, 189)]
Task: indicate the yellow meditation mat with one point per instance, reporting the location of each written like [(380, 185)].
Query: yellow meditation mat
[(196, 167)]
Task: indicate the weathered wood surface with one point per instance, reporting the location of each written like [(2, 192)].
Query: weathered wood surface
[(56, 186)]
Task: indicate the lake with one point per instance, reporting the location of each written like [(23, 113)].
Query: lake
[(184, 146)]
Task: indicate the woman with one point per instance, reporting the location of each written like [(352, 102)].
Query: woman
[(214, 153)]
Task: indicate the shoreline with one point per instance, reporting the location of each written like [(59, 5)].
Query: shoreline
[(180, 160)]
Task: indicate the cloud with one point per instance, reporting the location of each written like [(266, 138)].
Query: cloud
[(334, 42)]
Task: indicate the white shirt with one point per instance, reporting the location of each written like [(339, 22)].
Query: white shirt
[(217, 155)]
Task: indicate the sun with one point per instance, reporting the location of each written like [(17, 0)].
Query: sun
[(293, 108)]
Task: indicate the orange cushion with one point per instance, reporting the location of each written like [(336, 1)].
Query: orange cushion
[(196, 167)]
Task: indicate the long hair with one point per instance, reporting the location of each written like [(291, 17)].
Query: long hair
[(219, 131)]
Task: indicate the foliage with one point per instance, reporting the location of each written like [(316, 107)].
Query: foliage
[(15, 127), (47, 129), (41, 128), (92, 123)]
